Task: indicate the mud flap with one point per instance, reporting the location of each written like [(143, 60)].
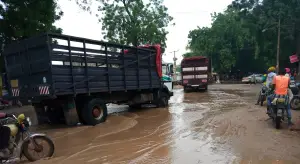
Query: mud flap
[(70, 113)]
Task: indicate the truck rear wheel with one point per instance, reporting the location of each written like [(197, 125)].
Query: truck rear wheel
[(94, 112), (185, 89), (205, 88), (40, 114)]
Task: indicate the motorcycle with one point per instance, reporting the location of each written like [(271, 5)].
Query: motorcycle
[(277, 111), (295, 102), (263, 95), (22, 141), (6, 104)]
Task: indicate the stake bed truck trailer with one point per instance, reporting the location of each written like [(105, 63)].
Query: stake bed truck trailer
[(195, 72), (72, 79)]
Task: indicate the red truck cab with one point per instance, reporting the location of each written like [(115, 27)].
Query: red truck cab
[(195, 72)]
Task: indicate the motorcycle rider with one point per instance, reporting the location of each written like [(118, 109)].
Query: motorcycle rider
[(280, 86), (268, 80), (264, 83), (288, 74), (271, 74)]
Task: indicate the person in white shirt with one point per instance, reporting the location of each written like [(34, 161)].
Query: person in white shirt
[(270, 76)]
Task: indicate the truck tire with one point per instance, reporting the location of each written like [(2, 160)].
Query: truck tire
[(185, 89), (40, 112), (163, 100), (94, 112), (205, 88)]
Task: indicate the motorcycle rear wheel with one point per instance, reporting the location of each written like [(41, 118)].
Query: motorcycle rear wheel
[(262, 99), (277, 122), (30, 157)]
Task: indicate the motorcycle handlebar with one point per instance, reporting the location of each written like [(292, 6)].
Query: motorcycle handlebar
[(11, 115)]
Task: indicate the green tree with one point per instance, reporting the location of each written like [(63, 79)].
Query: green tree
[(244, 37), (190, 54), (133, 22), (263, 16), (223, 42), (25, 18), (20, 19)]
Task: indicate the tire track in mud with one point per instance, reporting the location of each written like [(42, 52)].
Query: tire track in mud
[(184, 129), (205, 107), (92, 145), (116, 142)]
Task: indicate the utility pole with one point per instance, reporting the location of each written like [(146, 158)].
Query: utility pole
[(278, 43), (278, 46), (174, 65)]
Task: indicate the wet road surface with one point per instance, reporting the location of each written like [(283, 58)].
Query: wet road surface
[(221, 126)]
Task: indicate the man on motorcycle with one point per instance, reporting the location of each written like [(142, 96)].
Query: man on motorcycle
[(271, 74), (280, 86), (267, 80), (288, 74)]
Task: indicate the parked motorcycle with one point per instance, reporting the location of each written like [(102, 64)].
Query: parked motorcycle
[(277, 111), (22, 142), (263, 95), (6, 104), (295, 102)]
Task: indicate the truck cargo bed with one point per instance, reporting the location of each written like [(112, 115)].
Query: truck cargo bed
[(51, 65)]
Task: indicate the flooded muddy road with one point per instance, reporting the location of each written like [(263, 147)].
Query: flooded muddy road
[(219, 126)]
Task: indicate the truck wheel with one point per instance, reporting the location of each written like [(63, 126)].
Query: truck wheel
[(185, 89), (163, 100), (205, 88), (54, 115), (94, 112), (40, 114)]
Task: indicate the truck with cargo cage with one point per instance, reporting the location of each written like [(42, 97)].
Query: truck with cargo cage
[(71, 79), (195, 72)]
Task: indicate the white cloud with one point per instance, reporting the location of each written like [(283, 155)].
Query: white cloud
[(188, 14)]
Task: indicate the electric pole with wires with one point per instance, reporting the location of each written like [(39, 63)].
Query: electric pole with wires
[(174, 65)]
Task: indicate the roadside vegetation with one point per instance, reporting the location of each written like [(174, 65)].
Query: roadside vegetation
[(245, 36)]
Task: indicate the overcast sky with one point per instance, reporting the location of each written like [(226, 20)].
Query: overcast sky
[(188, 14)]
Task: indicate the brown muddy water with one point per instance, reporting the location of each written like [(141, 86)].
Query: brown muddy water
[(221, 126)]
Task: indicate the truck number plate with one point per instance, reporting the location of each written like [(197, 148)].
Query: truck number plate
[(185, 81), (204, 81)]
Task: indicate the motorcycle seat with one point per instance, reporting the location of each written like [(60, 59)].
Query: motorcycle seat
[(2, 115)]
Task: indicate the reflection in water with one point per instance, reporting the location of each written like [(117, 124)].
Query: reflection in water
[(192, 145)]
